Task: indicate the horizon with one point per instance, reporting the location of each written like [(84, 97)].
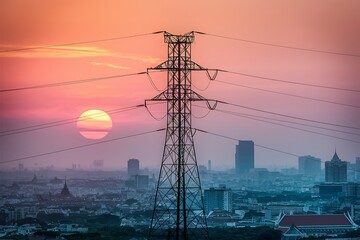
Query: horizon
[(327, 27)]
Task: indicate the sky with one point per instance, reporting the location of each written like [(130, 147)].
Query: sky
[(330, 25)]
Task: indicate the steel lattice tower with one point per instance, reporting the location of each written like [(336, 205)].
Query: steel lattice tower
[(179, 209)]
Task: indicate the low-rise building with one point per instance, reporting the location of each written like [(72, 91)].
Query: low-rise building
[(314, 225)]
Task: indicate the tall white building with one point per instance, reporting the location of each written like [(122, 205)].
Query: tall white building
[(218, 199)]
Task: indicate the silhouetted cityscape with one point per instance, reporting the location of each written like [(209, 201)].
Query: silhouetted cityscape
[(292, 203)]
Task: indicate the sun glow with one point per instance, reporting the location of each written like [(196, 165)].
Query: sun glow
[(94, 124)]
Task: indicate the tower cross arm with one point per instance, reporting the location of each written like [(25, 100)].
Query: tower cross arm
[(187, 65), (195, 97), (160, 97), (210, 103)]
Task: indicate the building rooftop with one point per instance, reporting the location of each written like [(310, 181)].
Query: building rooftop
[(335, 157), (315, 220)]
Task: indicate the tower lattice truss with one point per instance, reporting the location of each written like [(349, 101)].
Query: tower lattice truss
[(179, 208)]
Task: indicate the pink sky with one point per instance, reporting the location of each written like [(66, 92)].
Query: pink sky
[(324, 25)]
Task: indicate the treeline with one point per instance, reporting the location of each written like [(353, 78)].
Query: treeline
[(126, 233)]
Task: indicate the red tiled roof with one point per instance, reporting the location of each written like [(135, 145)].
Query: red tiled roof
[(282, 229), (314, 220)]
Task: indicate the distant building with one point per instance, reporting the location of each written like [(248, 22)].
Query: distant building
[(133, 167), (138, 182), (141, 181), (335, 170), (202, 169), (244, 157), (300, 226), (98, 164), (309, 165), (218, 199), (351, 172), (344, 189), (68, 228), (65, 191), (328, 190), (21, 167), (209, 165), (222, 218), (259, 173), (34, 179), (55, 180), (357, 168)]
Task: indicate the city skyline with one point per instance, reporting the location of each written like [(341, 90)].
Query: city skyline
[(327, 27)]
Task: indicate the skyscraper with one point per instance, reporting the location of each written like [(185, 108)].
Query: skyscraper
[(133, 167), (244, 157), (218, 198), (309, 165), (335, 170), (357, 168)]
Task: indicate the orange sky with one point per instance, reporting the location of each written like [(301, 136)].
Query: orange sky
[(325, 24)]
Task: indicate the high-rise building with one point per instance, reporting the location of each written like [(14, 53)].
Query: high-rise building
[(335, 170), (309, 165), (133, 167), (209, 165), (357, 168), (244, 157), (218, 199)]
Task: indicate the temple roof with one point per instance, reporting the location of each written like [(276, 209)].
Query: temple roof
[(65, 191), (294, 231), (315, 220)]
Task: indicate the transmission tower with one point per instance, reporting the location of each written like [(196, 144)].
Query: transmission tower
[(179, 209)]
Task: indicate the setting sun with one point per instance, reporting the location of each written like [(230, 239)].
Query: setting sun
[(94, 124)]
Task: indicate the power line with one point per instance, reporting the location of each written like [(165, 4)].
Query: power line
[(63, 122), (59, 84), (260, 146), (235, 139), (302, 124), (152, 115), (203, 116), (281, 120), (287, 126), (80, 146), (289, 82), (288, 94), (68, 121), (78, 43), (288, 116), (278, 45), (153, 84)]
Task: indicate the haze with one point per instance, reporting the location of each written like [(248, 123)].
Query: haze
[(322, 25)]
